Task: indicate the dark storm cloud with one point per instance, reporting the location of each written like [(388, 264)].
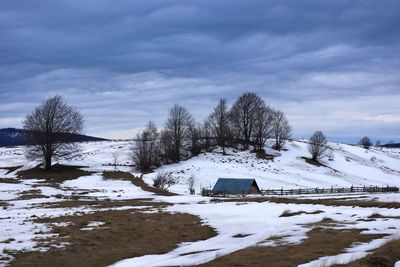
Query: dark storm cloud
[(124, 62)]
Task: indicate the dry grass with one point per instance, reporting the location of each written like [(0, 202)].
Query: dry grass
[(125, 234), (95, 203), (30, 194), (57, 174), (11, 169), (326, 202), (385, 256), (288, 213), (9, 180), (313, 162), (321, 242), (119, 175)]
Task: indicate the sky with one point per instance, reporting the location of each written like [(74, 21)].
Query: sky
[(328, 65)]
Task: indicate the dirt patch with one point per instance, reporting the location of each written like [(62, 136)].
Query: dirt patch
[(11, 169), (326, 202), (314, 162), (9, 181), (288, 213), (94, 203), (58, 174), (124, 234), (119, 175), (321, 242), (30, 194), (385, 256)]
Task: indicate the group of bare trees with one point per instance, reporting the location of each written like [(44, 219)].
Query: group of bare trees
[(52, 126), (249, 122)]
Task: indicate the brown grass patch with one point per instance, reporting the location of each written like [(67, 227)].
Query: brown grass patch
[(30, 194), (385, 256), (321, 242), (119, 175), (95, 203), (9, 181), (11, 169), (314, 162), (288, 213), (125, 234), (326, 202), (57, 174)]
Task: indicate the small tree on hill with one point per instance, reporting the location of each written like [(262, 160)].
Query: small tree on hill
[(242, 116), (318, 145), (51, 130), (281, 129), (145, 152), (262, 127), (365, 142), (176, 129), (219, 123)]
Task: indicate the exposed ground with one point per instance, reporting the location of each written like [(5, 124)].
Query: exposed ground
[(320, 242), (124, 234)]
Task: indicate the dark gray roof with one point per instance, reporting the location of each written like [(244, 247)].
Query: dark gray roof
[(234, 185)]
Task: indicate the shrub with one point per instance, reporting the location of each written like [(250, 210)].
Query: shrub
[(163, 181)]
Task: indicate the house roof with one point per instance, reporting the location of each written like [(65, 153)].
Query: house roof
[(234, 185)]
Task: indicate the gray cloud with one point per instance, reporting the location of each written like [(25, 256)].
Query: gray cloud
[(125, 62)]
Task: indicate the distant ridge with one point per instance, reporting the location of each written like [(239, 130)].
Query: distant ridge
[(13, 137), (393, 145)]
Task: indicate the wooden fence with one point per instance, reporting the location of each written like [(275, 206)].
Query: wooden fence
[(332, 190), (309, 191)]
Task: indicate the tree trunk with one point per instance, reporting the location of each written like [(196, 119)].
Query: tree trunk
[(47, 163)]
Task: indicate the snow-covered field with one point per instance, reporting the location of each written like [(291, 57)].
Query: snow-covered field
[(351, 166)]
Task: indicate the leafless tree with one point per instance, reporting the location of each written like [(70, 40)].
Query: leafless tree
[(242, 115), (145, 152), (191, 182), (262, 127), (330, 154), (163, 181), (219, 123), (365, 142), (176, 129), (195, 131), (51, 128), (281, 129), (114, 156), (318, 145)]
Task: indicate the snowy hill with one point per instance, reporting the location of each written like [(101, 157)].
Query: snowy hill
[(352, 165)]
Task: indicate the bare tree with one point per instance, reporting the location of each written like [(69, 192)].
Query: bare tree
[(51, 128), (219, 123), (365, 142), (194, 131), (146, 149), (281, 129), (318, 145), (330, 154), (242, 115), (191, 182), (176, 129), (262, 127), (163, 181), (114, 156)]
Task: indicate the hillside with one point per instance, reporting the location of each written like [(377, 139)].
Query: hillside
[(352, 165), (14, 137)]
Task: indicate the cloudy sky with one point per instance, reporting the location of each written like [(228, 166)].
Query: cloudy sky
[(329, 65)]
